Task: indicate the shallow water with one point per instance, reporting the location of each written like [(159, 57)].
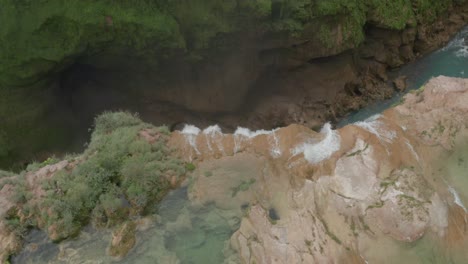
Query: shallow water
[(179, 233), (452, 61), (427, 250)]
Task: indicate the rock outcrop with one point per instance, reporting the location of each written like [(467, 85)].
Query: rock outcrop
[(320, 198)]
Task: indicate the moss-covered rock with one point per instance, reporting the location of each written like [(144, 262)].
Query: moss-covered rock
[(42, 37), (125, 170)]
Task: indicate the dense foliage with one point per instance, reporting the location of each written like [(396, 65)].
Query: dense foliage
[(38, 37), (121, 174)]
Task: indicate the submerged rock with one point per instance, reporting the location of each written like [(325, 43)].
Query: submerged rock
[(400, 83)]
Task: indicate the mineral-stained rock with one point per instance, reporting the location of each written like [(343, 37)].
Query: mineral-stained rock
[(377, 184)]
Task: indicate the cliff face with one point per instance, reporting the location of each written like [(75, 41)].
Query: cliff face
[(40, 38), (290, 195), (316, 60)]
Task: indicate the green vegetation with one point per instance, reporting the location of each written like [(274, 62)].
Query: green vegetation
[(399, 102), (4, 174), (119, 175), (408, 204), (378, 204), (427, 11), (243, 186), (364, 224), (387, 182), (47, 34), (37, 165), (39, 37), (358, 152), (349, 15), (190, 166), (419, 90), (394, 14), (329, 232)]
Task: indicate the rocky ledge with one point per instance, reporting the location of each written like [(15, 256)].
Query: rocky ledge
[(350, 195)]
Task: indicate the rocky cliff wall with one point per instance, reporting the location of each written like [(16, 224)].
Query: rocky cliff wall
[(259, 64)]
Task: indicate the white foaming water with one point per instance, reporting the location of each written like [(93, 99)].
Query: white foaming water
[(275, 147), (242, 134), (191, 132), (462, 52), (214, 133), (212, 130), (459, 45), (456, 198), (317, 152), (376, 127), (245, 132)]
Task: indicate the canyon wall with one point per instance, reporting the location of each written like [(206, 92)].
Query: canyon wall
[(260, 63)]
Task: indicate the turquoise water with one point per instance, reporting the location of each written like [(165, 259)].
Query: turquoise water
[(452, 61), (179, 233)]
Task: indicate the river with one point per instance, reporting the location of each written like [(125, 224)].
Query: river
[(452, 61)]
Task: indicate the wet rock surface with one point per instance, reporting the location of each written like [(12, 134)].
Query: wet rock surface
[(378, 184)]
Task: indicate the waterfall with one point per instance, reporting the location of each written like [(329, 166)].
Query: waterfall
[(317, 152), (214, 133), (274, 144), (457, 199), (190, 133), (242, 134), (410, 147), (374, 126)]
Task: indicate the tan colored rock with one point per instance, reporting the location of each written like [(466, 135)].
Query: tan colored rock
[(377, 184)]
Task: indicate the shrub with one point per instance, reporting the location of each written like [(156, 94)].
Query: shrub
[(6, 174), (118, 165), (190, 166), (110, 121), (37, 165)]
